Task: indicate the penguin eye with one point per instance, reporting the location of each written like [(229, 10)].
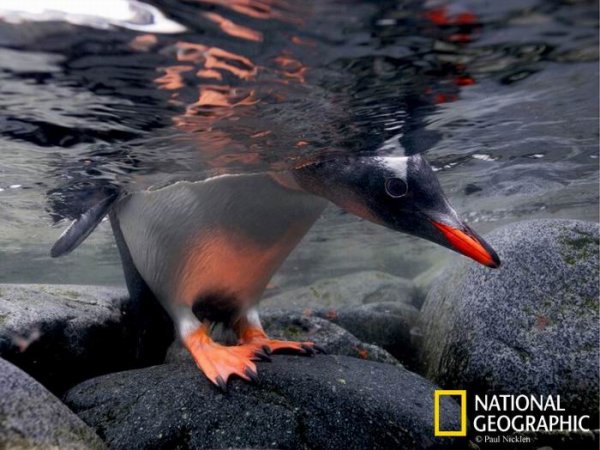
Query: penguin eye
[(395, 187)]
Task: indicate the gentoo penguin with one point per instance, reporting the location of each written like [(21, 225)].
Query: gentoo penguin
[(207, 249)]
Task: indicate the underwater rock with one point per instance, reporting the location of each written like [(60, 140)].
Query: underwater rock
[(352, 289), (387, 325), (332, 338), (63, 334), (31, 417), (530, 326), (376, 307), (332, 402)]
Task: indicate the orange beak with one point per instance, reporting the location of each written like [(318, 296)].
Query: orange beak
[(469, 244)]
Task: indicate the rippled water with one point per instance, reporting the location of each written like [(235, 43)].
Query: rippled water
[(503, 97)]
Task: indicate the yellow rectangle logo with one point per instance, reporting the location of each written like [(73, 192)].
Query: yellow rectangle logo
[(463, 413)]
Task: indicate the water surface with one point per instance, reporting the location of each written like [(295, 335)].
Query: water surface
[(502, 97)]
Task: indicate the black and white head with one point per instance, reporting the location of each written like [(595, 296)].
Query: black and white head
[(399, 192)]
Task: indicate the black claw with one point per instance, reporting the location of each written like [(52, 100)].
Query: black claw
[(251, 374), (308, 349), (262, 356), (319, 349), (267, 349), (222, 384)]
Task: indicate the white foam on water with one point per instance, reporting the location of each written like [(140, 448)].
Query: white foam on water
[(102, 14)]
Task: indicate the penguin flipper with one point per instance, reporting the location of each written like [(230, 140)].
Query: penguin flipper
[(82, 227)]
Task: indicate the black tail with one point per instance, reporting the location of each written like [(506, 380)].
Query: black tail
[(82, 227)]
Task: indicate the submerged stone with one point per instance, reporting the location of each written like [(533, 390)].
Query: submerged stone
[(530, 327), (31, 417), (332, 402), (63, 334)]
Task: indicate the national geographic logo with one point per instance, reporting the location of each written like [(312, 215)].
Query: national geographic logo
[(509, 413), (438, 394)]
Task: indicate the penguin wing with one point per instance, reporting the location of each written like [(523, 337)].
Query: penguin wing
[(82, 227)]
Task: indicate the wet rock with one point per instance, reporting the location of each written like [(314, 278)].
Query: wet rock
[(334, 339), (62, 334), (529, 327), (332, 402), (376, 307), (292, 326), (387, 325), (31, 417), (353, 289)]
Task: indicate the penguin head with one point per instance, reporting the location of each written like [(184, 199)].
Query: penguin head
[(399, 192)]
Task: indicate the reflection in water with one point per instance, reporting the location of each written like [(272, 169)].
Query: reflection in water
[(143, 42), (172, 79), (498, 94), (216, 58), (260, 9), (233, 29)]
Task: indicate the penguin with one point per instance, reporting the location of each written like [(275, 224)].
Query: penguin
[(207, 249)]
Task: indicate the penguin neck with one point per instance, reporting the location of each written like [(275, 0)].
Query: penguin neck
[(333, 180), (323, 179)]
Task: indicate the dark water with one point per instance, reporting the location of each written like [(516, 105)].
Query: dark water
[(502, 96)]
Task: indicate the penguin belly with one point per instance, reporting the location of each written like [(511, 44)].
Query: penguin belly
[(213, 245)]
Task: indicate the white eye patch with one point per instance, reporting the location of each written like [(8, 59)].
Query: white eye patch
[(398, 165)]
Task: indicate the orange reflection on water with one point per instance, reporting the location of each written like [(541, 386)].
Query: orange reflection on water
[(258, 9), (244, 157), (209, 73), (222, 120), (172, 78), (292, 68), (222, 96), (260, 134), (216, 58), (301, 41), (233, 29), (143, 42)]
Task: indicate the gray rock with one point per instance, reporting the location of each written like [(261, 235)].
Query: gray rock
[(530, 326), (376, 307), (387, 325), (31, 417), (332, 338), (354, 289), (62, 334), (331, 402)]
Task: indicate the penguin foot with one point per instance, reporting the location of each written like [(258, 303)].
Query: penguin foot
[(219, 362), (257, 338), (276, 345)]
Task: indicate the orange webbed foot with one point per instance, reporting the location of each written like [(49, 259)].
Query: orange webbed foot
[(276, 346), (256, 337), (219, 362)]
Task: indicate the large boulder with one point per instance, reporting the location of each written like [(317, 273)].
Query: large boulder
[(31, 417), (63, 334), (331, 402), (531, 326)]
